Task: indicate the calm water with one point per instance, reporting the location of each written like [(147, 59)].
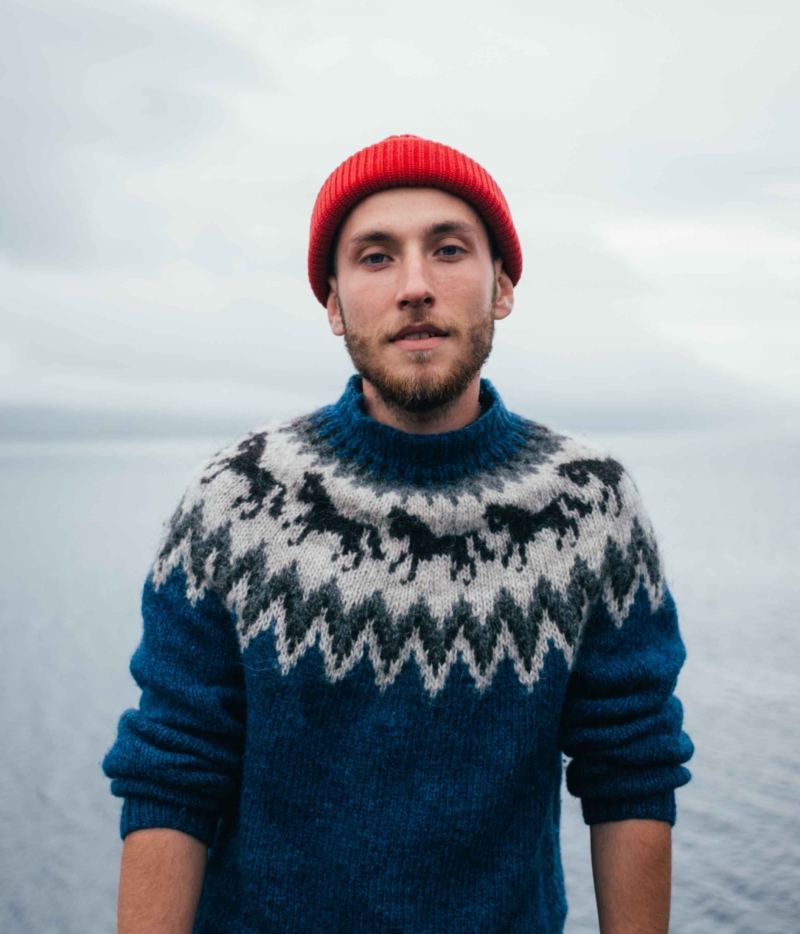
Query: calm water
[(80, 524)]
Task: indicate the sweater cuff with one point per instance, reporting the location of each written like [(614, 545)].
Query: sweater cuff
[(647, 807), (146, 813)]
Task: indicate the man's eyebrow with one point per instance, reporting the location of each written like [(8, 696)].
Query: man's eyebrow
[(371, 236), (450, 227)]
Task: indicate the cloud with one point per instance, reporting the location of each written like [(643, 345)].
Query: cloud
[(94, 92), (154, 203)]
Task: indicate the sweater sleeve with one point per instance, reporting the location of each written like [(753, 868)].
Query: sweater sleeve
[(176, 760), (621, 723)]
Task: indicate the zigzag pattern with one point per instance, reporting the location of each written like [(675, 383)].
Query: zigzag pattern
[(261, 598)]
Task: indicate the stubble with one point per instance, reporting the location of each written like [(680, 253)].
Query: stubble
[(416, 390)]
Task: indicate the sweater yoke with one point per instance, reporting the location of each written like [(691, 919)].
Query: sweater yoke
[(298, 534)]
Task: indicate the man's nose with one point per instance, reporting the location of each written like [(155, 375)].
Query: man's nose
[(415, 285)]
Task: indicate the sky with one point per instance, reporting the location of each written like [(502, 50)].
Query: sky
[(161, 160)]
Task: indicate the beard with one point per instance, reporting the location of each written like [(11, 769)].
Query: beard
[(415, 390)]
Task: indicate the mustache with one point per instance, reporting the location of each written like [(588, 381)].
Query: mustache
[(417, 315)]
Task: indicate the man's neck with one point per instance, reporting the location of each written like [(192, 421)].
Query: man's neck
[(457, 414)]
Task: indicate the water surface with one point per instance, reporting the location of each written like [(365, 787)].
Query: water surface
[(81, 522)]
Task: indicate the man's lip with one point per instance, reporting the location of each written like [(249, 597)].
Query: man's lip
[(419, 329)]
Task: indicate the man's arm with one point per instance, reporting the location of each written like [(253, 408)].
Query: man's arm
[(160, 881), (177, 759), (632, 866)]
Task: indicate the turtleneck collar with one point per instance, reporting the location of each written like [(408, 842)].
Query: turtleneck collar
[(421, 459)]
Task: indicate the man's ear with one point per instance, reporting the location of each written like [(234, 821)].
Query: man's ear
[(334, 314), (504, 292)]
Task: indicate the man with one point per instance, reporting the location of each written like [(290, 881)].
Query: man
[(371, 632)]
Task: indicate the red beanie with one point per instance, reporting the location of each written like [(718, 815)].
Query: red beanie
[(406, 161)]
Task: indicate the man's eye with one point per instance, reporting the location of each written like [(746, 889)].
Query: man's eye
[(450, 250), (374, 259)]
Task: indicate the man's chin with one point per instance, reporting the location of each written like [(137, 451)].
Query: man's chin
[(418, 393), (421, 382)]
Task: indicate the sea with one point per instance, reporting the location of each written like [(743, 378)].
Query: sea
[(80, 522)]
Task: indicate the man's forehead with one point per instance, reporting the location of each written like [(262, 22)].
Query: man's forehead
[(403, 210)]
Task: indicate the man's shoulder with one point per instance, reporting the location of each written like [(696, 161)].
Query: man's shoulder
[(239, 466), (250, 453), (590, 501), (580, 464), (238, 480)]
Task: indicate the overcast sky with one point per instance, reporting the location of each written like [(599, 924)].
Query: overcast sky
[(160, 162)]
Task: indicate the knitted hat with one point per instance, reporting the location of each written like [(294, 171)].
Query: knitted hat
[(401, 161)]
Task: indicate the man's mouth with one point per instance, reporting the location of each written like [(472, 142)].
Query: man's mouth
[(416, 333)]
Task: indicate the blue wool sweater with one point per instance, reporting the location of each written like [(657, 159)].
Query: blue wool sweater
[(364, 653)]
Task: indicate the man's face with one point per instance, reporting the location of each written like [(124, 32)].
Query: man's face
[(416, 295)]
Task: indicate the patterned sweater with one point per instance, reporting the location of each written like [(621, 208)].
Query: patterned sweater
[(364, 653)]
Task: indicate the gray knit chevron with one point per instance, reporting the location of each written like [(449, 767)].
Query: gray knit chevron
[(505, 563)]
